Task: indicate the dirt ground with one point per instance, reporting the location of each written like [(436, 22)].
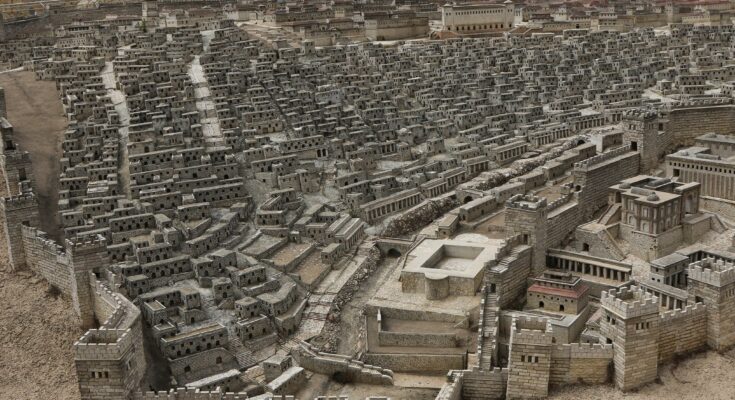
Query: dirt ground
[(35, 110), (38, 330)]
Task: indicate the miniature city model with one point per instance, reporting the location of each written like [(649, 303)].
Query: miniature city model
[(259, 201)]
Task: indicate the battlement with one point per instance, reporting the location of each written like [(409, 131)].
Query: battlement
[(688, 311), (25, 200), (629, 302), (531, 330), (639, 114), (86, 244), (560, 202), (103, 344), (583, 350), (112, 298), (712, 272), (16, 157), (526, 202), (702, 102), (41, 237), (191, 394), (601, 158)]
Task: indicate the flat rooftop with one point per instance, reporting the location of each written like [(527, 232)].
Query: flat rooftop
[(451, 257)]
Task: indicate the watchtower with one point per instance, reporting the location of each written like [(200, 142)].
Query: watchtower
[(641, 133), (526, 216), (713, 283), (630, 322), (529, 360), (107, 365), (15, 164), (85, 254), (18, 171), (18, 211)]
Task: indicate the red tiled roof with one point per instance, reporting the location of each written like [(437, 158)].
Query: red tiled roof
[(571, 293)]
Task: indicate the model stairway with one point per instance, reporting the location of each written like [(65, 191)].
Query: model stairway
[(611, 215), (244, 356), (287, 345), (488, 329), (512, 256)]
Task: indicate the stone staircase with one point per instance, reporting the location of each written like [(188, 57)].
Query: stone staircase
[(611, 215), (287, 345), (512, 256), (244, 356), (613, 247), (488, 331)]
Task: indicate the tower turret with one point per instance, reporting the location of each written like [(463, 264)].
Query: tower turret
[(526, 216), (630, 322)]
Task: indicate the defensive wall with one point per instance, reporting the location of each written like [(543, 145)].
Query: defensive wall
[(687, 120), (682, 331), (478, 384), (115, 349), (562, 219), (580, 363), (593, 177), (46, 258), (332, 364)]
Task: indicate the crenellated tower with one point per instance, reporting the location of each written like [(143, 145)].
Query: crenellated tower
[(713, 283), (18, 211), (630, 322), (641, 133), (15, 164), (525, 216), (86, 255), (529, 359), (107, 365)]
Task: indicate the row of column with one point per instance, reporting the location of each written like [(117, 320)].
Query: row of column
[(590, 269), (393, 207)]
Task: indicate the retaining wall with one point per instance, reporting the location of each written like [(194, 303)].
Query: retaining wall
[(417, 362), (595, 175)]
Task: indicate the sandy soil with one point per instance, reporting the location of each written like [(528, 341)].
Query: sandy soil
[(35, 110), (38, 329)]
